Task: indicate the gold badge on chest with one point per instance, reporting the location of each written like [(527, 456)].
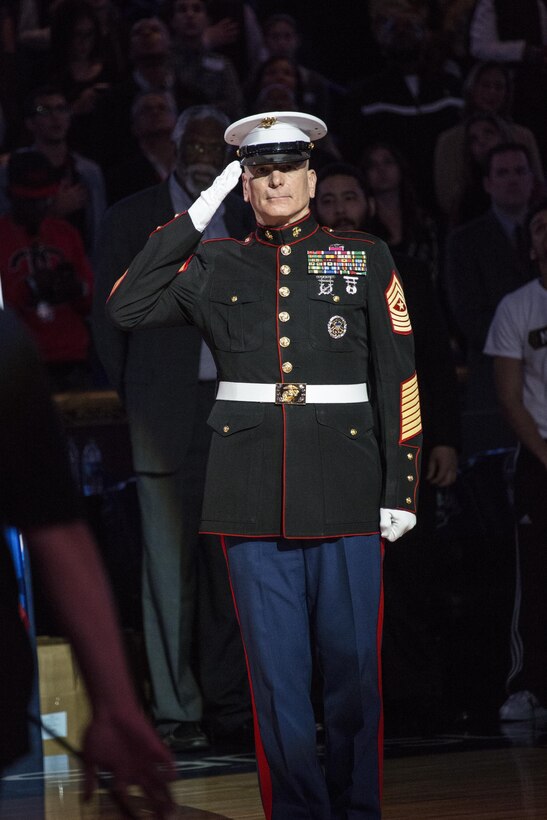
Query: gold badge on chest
[(337, 327)]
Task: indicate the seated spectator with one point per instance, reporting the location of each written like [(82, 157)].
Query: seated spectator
[(488, 88), (282, 39), (516, 34), (46, 276), (406, 103), (154, 117), (398, 217), (203, 72), (80, 197), (80, 66)]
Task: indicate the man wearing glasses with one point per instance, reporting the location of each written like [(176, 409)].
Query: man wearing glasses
[(81, 196)]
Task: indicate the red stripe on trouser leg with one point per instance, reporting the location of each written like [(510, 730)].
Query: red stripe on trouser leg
[(379, 630), (264, 777)]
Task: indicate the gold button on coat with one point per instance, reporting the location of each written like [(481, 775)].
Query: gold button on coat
[(353, 431), (285, 269), (226, 428), (284, 291), (410, 478), (408, 500), (284, 341), (286, 367), (284, 316), (233, 298), (409, 456), (285, 250), (336, 298)]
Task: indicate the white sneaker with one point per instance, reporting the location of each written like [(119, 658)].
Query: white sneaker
[(522, 706)]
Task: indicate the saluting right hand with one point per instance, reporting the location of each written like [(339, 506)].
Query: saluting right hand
[(205, 206)]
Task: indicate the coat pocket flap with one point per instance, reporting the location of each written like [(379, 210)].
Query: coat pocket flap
[(235, 293), (353, 420), (229, 417)]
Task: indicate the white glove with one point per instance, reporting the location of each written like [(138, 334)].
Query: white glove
[(394, 523), (203, 209)]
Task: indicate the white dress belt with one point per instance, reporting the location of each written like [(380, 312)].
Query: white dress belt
[(293, 393)]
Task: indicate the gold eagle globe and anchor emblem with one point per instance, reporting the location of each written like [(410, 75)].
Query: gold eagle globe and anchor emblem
[(290, 393), (267, 122)]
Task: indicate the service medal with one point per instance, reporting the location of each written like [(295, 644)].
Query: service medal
[(337, 327)]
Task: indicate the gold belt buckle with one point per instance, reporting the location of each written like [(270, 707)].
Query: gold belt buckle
[(290, 393)]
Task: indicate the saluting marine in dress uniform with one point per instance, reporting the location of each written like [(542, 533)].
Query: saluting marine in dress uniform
[(315, 451)]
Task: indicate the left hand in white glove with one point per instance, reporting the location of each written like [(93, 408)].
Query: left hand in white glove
[(394, 523)]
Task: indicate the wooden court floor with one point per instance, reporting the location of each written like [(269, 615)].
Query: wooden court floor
[(495, 784)]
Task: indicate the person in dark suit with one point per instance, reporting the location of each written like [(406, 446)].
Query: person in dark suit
[(153, 118), (166, 378), (305, 473), (486, 259), (412, 690)]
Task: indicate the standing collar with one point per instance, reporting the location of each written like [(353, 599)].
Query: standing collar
[(288, 234)]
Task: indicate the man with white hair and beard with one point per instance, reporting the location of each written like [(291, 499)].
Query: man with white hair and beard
[(166, 379)]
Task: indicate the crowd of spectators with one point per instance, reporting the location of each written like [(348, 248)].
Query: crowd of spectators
[(96, 86)]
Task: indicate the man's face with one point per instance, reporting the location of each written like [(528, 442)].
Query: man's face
[(490, 90), (402, 34), (382, 173), (510, 181), (154, 115), (189, 18), (279, 193), (279, 72), (281, 39), (341, 203), (481, 137), (201, 154), (50, 120), (149, 38), (538, 237)]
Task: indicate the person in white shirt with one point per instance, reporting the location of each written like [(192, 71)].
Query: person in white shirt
[(517, 339)]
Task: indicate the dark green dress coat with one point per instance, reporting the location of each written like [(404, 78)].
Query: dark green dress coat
[(297, 304)]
